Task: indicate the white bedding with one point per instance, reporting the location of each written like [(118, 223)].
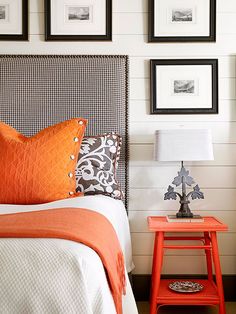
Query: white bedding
[(60, 276)]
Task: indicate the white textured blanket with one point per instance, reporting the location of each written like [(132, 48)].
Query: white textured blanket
[(60, 276)]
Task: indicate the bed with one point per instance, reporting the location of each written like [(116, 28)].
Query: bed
[(57, 275)]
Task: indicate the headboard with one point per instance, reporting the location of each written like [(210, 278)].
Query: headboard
[(37, 91)]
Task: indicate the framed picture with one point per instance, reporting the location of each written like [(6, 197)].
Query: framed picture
[(182, 20), (78, 20), (184, 86), (13, 19)]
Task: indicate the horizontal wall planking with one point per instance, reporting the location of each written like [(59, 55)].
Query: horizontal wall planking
[(150, 199), (142, 155), (123, 44), (140, 66), (142, 245), (143, 132), (137, 6), (140, 111), (140, 88), (130, 23), (179, 265), (138, 219), (142, 6), (36, 6), (36, 23), (130, 6), (162, 176), (226, 6), (226, 23), (137, 23)]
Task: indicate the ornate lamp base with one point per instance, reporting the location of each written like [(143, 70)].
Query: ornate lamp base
[(184, 179), (184, 211)]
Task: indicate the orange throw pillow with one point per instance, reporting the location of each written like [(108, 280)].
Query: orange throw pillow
[(40, 168)]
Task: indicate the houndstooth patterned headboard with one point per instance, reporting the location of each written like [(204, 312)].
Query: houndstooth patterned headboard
[(38, 91)]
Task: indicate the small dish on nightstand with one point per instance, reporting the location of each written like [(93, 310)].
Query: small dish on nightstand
[(186, 286)]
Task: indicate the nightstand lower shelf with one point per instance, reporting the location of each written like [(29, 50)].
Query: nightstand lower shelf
[(208, 296)]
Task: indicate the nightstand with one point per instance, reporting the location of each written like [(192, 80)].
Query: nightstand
[(213, 293)]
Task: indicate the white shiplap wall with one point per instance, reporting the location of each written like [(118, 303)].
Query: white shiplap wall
[(149, 179)]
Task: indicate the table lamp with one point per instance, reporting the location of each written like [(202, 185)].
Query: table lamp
[(183, 145)]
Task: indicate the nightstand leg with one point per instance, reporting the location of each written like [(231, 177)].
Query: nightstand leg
[(219, 281), (156, 270), (208, 256)]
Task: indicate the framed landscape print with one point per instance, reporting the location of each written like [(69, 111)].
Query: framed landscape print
[(182, 20), (13, 19), (184, 86), (78, 20)]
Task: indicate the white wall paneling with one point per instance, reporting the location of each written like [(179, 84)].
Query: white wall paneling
[(36, 23), (216, 200), (149, 179), (133, 45), (222, 132), (159, 177), (36, 6), (186, 265), (142, 155), (226, 6), (139, 112), (140, 66)]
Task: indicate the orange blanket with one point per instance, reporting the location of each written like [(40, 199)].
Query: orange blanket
[(76, 224)]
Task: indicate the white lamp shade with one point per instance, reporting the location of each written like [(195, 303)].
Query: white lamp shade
[(183, 145)]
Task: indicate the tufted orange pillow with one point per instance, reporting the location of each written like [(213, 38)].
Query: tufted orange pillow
[(40, 168)]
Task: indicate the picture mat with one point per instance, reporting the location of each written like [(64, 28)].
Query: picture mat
[(201, 20), (202, 76), (13, 23), (61, 26)]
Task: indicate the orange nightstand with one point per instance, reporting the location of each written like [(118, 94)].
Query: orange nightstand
[(213, 293)]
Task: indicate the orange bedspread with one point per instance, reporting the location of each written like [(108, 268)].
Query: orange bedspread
[(76, 224)]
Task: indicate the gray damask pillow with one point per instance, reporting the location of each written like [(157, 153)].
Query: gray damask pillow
[(97, 163)]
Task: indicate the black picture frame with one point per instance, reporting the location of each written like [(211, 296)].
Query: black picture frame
[(25, 19), (160, 39), (173, 62), (102, 37)]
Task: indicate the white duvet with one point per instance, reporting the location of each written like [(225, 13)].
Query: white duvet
[(47, 276)]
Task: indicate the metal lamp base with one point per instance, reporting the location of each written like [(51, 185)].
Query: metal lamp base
[(184, 211), (184, 215), (185, 180)]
